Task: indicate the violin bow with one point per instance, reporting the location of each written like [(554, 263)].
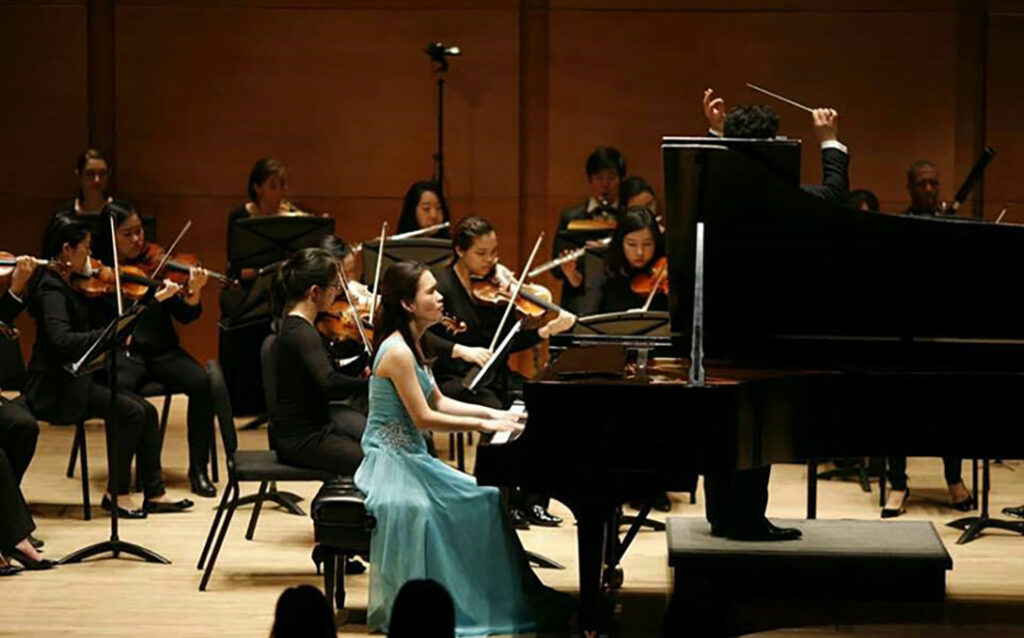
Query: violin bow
[(515, 292), (170, 250), (355, 312), (657, 282), (376, 275), (117, 269)]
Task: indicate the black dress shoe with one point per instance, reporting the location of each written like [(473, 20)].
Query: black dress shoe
[(35, 542), (10, 570), (354, 566), (519, 520), (662, 503), (1016, 512), (122, 512), (167, 507), (28, 563), (200, 482), (537, 515), (763, 531)]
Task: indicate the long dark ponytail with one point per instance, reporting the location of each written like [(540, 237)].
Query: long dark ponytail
[(400, 282), (306, 268)]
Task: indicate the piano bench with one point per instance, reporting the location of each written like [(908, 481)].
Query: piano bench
[(341, 528)]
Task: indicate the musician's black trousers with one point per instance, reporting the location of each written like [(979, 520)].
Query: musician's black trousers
[(18, 435), (489, 397), (898, 471), (736, 500), (15, 520), (137, 434), (334, 448), (178, 372)]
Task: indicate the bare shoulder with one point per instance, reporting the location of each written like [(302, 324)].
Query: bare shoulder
[(397, 359)]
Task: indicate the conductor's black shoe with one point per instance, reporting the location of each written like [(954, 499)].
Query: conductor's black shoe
[(200, 482), (519, 520), (1016, 512), (537, 515), (763, 531), (122, 512), (167, 507), (28, 563), (35, 542)]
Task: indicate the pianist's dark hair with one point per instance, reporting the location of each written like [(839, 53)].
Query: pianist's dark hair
[(633, 186), (603, 158), (632, 220), (919, 164), (752, 121), (401, 282), (861, 197), (62, 229), (262, 170), (306, 268), (466, 232), (407, 220)]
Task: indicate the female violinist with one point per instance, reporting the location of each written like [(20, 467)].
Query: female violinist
[(423, 207), (475, 248), (155, 353), (239, 346), (65, 329), (636, 264)]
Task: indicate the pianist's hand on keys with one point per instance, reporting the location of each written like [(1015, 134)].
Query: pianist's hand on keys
[(517, 412)]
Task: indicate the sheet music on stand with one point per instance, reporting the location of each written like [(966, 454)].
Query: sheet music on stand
[(499, 352), (96, 356), (434, 253)]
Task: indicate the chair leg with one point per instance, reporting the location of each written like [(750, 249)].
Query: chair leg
[(83, 457), (257, 506), (451, 446), (881, 482), (220, 540), (164, 414), (974, 481), (216, 523), (73, 460), (214, 465)]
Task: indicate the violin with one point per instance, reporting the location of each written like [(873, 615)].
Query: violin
[(651, 279), (338, 323), (98, 281), (178, 268), (534, 301)]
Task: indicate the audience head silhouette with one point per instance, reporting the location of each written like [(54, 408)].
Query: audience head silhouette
[(303, 612), (422, 609)]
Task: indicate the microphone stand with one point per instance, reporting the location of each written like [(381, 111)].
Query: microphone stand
[(439, 55), (107, 346)]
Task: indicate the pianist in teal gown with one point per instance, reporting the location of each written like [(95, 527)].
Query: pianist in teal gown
[(432, 520)]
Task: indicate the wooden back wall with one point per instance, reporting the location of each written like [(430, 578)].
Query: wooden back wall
[(185, 96)]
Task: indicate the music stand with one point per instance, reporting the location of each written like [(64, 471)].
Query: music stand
[(104, 351), (259, 241), (434, 253)]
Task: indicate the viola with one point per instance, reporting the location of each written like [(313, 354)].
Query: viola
[(178, 268), (651, 279)]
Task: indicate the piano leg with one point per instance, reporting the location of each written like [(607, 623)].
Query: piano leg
[(591, 529)]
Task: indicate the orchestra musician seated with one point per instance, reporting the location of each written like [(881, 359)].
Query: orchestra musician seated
[(155, 352), (637, 267), (862, 199), (605, 168), (636, 192), (93, 173), (66, 327), (923, 186), (475, 259), (423, 207), (304, 430), (434, 521), (19, 434)]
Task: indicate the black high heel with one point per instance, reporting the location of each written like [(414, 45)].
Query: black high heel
[(888, 512), (965, 505), (28, 563)]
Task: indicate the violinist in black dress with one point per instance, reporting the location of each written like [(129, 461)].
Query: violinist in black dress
[(475, 246)]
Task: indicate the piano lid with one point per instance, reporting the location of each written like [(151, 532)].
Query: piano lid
[(791, 279)]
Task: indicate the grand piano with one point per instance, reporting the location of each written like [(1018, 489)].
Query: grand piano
[(800, 328)]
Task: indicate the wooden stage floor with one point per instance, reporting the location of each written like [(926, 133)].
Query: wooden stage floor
[(112, 598)]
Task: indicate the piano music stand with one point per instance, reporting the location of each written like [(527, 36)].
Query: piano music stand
[(434, 253), (104, 351), (653, 322)]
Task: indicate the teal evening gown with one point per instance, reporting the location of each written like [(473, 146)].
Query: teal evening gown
[(436, 522)]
